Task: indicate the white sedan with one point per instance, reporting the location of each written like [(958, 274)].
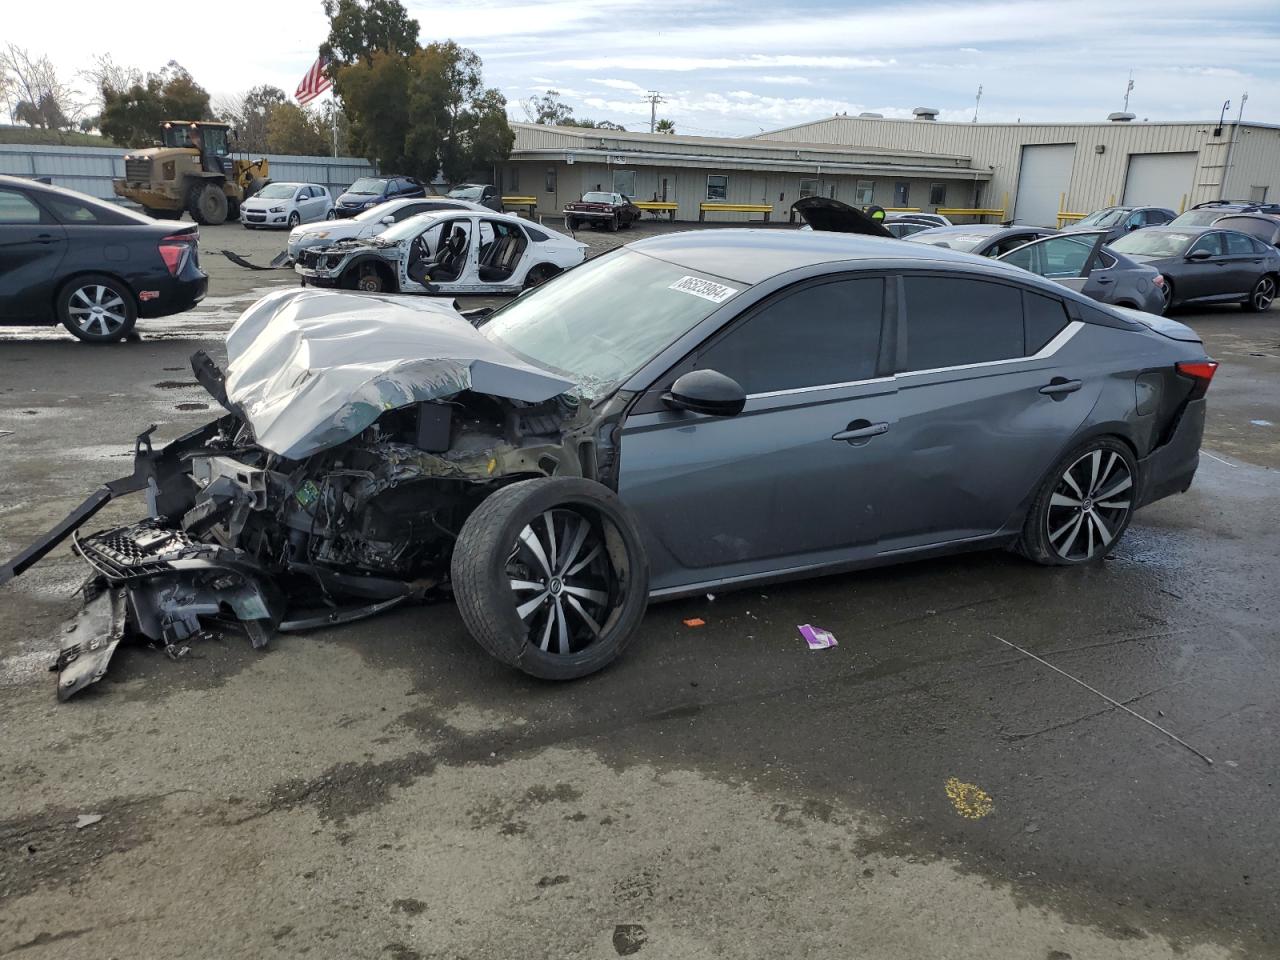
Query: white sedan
[(371, 222), (444, 252), (283, 204)]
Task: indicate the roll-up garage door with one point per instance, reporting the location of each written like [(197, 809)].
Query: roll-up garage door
[(1043, 176), (1159, 179)]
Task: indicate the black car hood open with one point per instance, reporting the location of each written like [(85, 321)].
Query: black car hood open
[(310, 369), (824, 214)]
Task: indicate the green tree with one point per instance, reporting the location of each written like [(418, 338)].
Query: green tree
[(360, 28), (248, 113), (426, 112), (132, 117), (666, 126), (293, 130), (548, 109)]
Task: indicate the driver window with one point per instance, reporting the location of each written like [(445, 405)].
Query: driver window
[(1211, 242), (826, 333)]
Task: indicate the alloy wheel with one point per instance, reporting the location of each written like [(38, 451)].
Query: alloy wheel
[(563, 581), (1089, 505), (98, 310), (1264, 293)]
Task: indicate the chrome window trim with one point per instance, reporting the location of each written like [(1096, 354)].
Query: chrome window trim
[(1048, 350)]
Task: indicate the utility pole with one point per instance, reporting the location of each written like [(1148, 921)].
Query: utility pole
[(1128, 90), (654, 98), (976, 103)]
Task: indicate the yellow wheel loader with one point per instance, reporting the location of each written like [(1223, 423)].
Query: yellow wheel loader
[(191, 170)]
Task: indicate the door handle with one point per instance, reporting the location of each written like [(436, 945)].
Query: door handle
[(1059, 387), (861, 430), (1104, 280), (45, 238)]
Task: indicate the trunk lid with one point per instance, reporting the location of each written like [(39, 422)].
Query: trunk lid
[(1161, 325)]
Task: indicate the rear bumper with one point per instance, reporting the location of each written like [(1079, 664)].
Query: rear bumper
[(173, 294), (1172, 466)]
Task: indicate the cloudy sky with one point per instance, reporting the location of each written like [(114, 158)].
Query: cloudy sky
[(732, 67)]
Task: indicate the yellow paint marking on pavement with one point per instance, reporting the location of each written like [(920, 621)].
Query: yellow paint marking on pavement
[(970, 800)]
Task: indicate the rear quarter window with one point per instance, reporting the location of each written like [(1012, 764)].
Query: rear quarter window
[(1045, 318)]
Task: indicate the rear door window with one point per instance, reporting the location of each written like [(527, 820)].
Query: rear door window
[(954, 321), (1238, 245), (824, 333)]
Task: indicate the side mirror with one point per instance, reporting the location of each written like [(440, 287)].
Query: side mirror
[(1133, 226), (706, 391), (1199, 255), (388, 220)]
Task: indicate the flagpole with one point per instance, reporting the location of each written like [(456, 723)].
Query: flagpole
[(333, 115)]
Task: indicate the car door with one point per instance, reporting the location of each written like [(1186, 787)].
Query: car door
[(1204, 273), (32, 246), (797, 477), (986, 402), (1071, 259), (1245, 264), (314, 203)]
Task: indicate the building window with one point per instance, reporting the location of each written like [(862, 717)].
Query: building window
[(1258, 194), (551, 179), (937, 194), (901, 194), (865, 192), (808, 188), (717, 187), (513, 179), (624, 182)]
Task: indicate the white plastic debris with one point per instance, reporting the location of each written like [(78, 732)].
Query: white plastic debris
[(87, 820)]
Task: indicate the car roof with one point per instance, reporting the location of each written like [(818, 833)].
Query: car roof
[(750, 256), (48, 189), (970, 229)]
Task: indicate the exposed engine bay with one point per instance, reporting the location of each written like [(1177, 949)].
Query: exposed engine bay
[(360, 433)]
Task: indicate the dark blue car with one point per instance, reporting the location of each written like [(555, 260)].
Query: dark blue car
[(370, 191)]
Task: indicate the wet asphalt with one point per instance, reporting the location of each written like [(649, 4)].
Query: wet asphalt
[(923, 789)]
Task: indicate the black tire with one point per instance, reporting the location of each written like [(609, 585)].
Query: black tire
[(603, 557), (332, 214), (207, 203), (539, 274), (1262, 295), (233, 209), (294, 219), (612, 224), (571, 223), (96, 309), (1089, 491)]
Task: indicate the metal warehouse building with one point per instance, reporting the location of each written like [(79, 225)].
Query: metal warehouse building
[(555, 165), (1031, 171), (1038, 170)]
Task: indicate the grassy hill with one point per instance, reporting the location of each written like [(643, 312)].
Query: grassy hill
[(51, 138)]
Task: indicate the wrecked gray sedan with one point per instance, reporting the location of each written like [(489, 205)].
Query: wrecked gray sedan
[(690, 412)]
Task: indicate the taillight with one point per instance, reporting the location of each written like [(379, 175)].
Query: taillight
[(1201, 371), (174, 251)]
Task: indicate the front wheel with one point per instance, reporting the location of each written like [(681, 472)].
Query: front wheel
[(571, 223), (294, 219), (97, 309), (550, 576), (207, 203), (1262, 295), (1084, 505)]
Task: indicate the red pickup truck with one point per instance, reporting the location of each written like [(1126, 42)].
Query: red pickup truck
[(602, 210)]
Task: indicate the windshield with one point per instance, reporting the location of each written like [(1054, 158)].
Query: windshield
[(1153, 243), (467, 191), (1103, 218), (602, 321), (597, 198), (1197, 218), (368, 185), (278, 191)]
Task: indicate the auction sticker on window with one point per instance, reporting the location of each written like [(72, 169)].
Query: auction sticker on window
[(706, 289)]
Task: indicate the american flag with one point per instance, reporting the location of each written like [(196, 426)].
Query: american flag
[(314, 83)]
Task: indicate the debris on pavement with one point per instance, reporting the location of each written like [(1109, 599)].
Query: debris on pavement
[(969, 799), (695, 622), (87, 820), (282, 261), (816, 637), (1113, 702)]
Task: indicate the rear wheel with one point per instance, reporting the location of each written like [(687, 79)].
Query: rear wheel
[(539, 274), (1262, 295), (1084, 505), (97, 309), (332, 214), (207, 203), (551, 577)]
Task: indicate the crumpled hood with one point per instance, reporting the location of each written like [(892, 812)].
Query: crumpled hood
[(310, 369)]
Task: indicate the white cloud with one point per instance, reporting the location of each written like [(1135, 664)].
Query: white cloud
[(620, 85), (789, 80), (685, 64)]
